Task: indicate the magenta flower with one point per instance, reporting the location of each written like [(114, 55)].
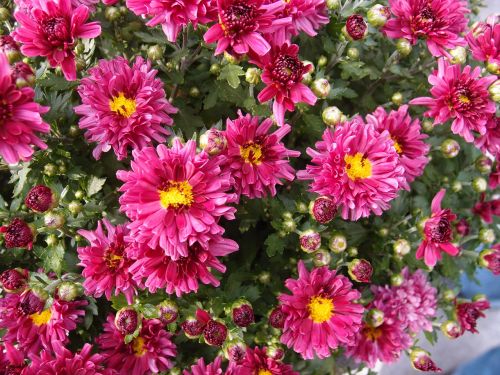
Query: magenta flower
[(123, 107), (257, 160), (282, 74), (184, 274), (439, 22), (172, 15), (257, 361), (357, 167), (105, 262), (469, 312), (19, 118), (437, 233), (175, 197), (12, 360), (200, 368), (490, 140), (407, 138), (321, 313), (461, 96), (17, 234), (150, 352), (484, 42), (51, 28), (241, 24)]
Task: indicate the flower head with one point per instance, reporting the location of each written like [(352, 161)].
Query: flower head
[(484, 42), (487, 209), (124, 107), (51, 28), (257, 160), (200, 368), (422, 361), (40, 198), (242, 314), (9, 48), (258, 361), (489, 258), (461, 96), (175, 198), (439, 22), (321, 313), (356, 26), (437, 233), (490, 140), (14, 280), (17, 234), (469, 312), (357, 167)]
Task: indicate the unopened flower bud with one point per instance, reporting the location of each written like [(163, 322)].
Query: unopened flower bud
[(310, 241), (321, 88), (264, 277), (302, 207), (277, 318), (40, 199), (230, 58), (403, 46), (462, 227), (4, 14), (490, 259), (331, 116), (355, 27), (275, 352), (33, 300), (483, 164), (215, 69), (322, 61), (127, 320), (18, 234), (213, 141), (69, 291), (493, 67), (23, 75), (494, 91), (427, 126), (352, 251), (50, 170), (252, 75), (456, 186), (449, 295), (235, 351), (458, 55), (242, 313), (10, 48), (168, 311), (422, 361), (486, 235), (378, 15), (375, 318), (194, 92), (397, 279), (307, 78), (192, 327), (323, 209), (333, 4), (215, 333), (338, 243), (397, 98), (321, 258), (450, 148), (360, 270), (479, 185), (155, 52), (112, 14), (14, 280), (479, 298), (312, 68), (383, 232), (54, 220), (289, 226), (75, 207), (451, 329), (401, 247)]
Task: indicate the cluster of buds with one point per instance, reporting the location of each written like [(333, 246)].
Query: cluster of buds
[(214, 332)]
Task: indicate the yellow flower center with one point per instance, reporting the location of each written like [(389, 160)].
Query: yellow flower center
[(372, 333), (263, 371), (397, 146), (122, 105), (320, 309), (138, 346), (41, 318), (463, 99), (175, 194), (251, 153), (357, 166)]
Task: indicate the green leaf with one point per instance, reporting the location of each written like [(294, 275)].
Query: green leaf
[(53, 258), (21, 177), (119, 301), (231, 73), (95, 185), (274, 245)]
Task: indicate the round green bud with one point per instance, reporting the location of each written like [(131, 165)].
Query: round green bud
[(486, 235), (333, 4), (75, 207), (458, 55), (397, 98), (321, 88), (353, 53), (338, 243), (112, 14), (404, 47), (215, 69), (4, 14), (194, 92), (50, 170), (51, 240), (378, 15), (494, 91), (493, 68), (456, 186), (401, 247), (483, 164), (450, 148), (322, 61), (155, 52), (331, 116), (79, 194), (252, 75), (479, 185)]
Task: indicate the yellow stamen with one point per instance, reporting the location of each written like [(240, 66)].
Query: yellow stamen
[(251, 153), (112, 260), (397, 146), (41, 318), (122, 105), (357, 166), (138, 346), (264, 372), (320, 309), (463, 99), (176, 194), (372, 333)]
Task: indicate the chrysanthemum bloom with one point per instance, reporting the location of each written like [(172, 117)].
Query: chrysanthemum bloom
[(150, 352), (12, 360), (489, 258), (257, 160), (307, 16), (183, 275), (490, 140), (484, 42), (17, 234), (123, 107), (62, 361), (469, 312), (51, 28), (175, 197), (241, 24), (439, 22), (14, 280), (320, 313), (487, 209), (282, 74), (40, 198), (172, 15), (437, 233), (407, 138), (257, 361), (19, 118), (357, 167), (461, 96), (422, 361), (356, 26), (462, 227), (200, 368), (105, 262)]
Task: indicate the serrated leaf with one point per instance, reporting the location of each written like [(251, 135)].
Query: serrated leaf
[(53, 258), (231, 73), (274, 245), (21, 177), (95, 185)]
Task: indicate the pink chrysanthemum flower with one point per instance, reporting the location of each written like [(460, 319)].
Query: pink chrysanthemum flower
[(321, 313), (282, 74), (172, 15), (357, 167), (484, 42), (490, 140), (241, 24), (184, 274), (150, 352), (469, 312), (437, 233), (175, 197), (408, 140), (105, 262), (439, 22), (257, 361), (62, 361), (51, 28), (19, 118), (123, 107), (12, 360), (461, 96), (256, 159), (200, 368)]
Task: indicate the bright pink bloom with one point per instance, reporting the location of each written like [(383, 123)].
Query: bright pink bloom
[(257, 361), (105, 262), (123, 107), (439, 22), (321, 313), (150, 352), (490, 140), (181, 275), (50, 28), (484, 42), (459, 95), (407, 138), (256, 159), (172, 15), (437, 233), (12, 361), (487, 209), (200, 368), (175, 197), (19, 118), (491, 260), (469, 312), (241, 24), (282, 74), (357, 167)]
